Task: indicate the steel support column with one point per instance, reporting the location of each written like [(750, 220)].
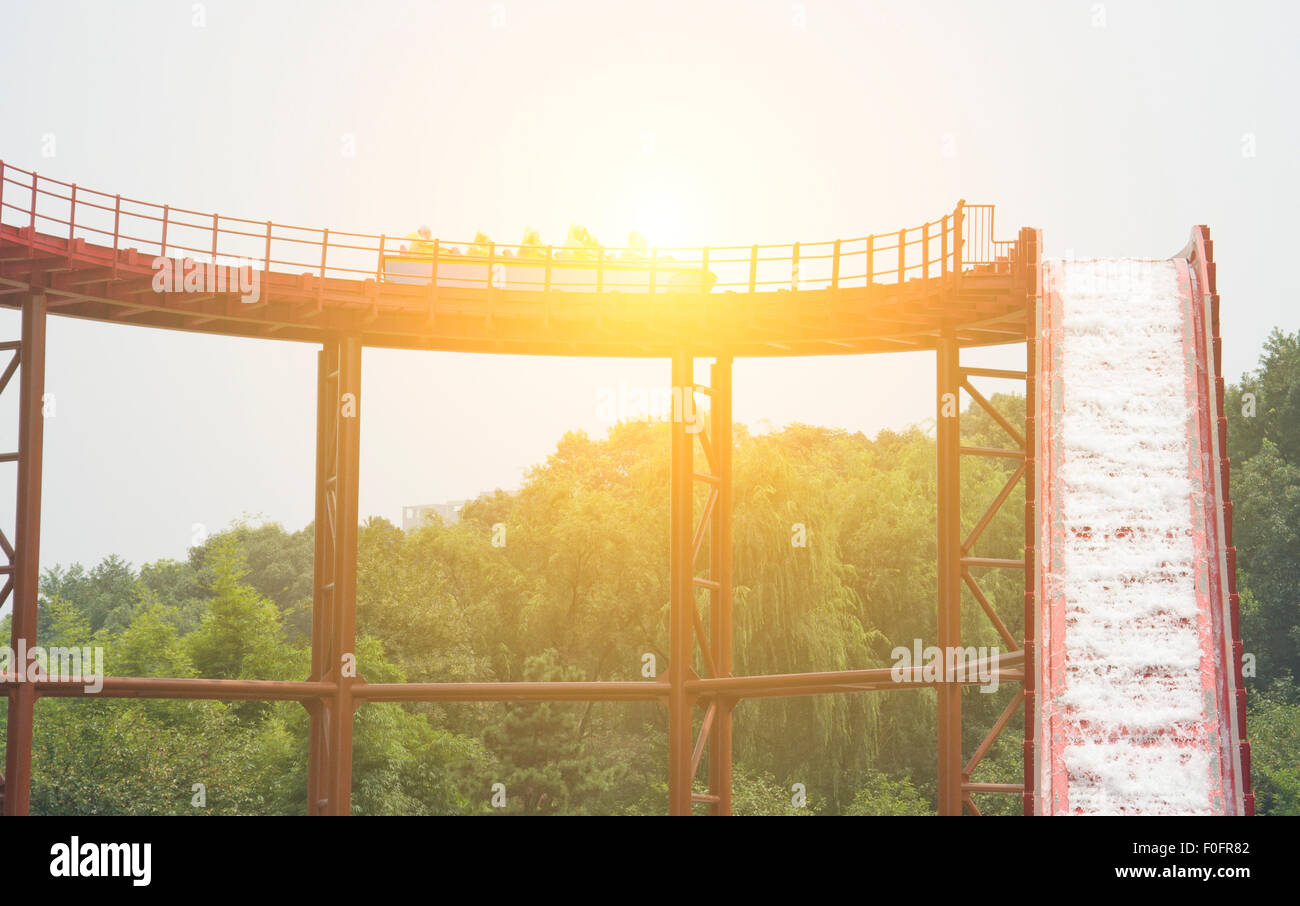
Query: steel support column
[(1028, 249), (338, 435), (688, 636), (681, 604), (720, 597), (322, 571), (948, 442), (26, 554)]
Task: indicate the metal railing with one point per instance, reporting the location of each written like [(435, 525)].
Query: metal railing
[(956, 242)]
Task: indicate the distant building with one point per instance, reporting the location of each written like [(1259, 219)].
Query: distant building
[(415, 516)]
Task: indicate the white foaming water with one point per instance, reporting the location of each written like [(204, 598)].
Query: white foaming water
[(1131, 700)]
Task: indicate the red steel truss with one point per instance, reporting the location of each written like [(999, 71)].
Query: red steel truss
[(24, 553), (945, 285)]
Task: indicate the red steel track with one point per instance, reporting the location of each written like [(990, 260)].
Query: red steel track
[(95, 254), (942, 286)]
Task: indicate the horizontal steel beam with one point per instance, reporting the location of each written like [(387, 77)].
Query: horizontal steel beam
[(498, 692), (737, 687), (872, 679), (173, 687)]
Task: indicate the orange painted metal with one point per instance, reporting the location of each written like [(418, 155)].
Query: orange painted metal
[(849, 295), (681, 607), (1028, 250), (26, 557), (948, 449), (334, 288), (1224, 685), (720, 616)]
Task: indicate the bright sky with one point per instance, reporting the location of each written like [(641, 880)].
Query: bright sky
[(1114, 127)]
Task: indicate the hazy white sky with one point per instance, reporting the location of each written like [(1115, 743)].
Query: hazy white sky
[(1113, 126)]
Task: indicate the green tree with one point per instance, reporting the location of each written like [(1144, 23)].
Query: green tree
[(1273, 722), (883, 795), (542, 761), (1263, 412), (106, 594), (241, 637)]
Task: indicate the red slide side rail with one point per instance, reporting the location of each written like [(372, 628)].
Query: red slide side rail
[(1200, 257)]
